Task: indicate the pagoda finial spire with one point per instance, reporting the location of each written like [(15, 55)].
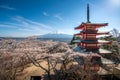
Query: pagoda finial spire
[(88, 14)]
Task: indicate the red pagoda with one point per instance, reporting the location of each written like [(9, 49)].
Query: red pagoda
[(90, 46), (88, 36)]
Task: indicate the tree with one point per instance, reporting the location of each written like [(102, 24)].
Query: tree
[(115, 33), (7, 68), (52, 55)]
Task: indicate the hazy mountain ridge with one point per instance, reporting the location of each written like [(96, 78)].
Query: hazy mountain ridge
[(55, 36), (49, 35)]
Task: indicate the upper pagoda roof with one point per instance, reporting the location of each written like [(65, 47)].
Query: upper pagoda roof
[(96, 25)]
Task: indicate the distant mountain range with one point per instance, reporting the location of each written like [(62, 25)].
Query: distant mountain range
[(55, 36), (60, 35)]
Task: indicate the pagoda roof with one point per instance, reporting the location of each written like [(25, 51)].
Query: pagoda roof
[(100, 51), (76, 41), (93, 41), (106, 61), (104, 51), (106, 35), (104, 42), (77, 34), (96, 25), (100, 33), (84, 53)]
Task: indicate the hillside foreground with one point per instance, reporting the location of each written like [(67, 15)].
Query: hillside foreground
[(48, 59)]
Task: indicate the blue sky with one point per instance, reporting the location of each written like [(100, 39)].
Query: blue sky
[(21, 18)]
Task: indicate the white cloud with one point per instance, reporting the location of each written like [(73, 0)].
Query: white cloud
[(45, 14), (58, 17), (26, 26), (10, 25), (20, 20), (7, 7), (32, 25), (5, 26)]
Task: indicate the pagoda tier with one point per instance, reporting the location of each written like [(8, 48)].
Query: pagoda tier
[(100, 50), (96, 41), (90, 44), (89, 26), (90, 36), (92, 33), (95, 58), (95, 61), (91, 41)]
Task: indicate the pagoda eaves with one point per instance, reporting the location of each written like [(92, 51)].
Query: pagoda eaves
[(95, 25), (96, 33)]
